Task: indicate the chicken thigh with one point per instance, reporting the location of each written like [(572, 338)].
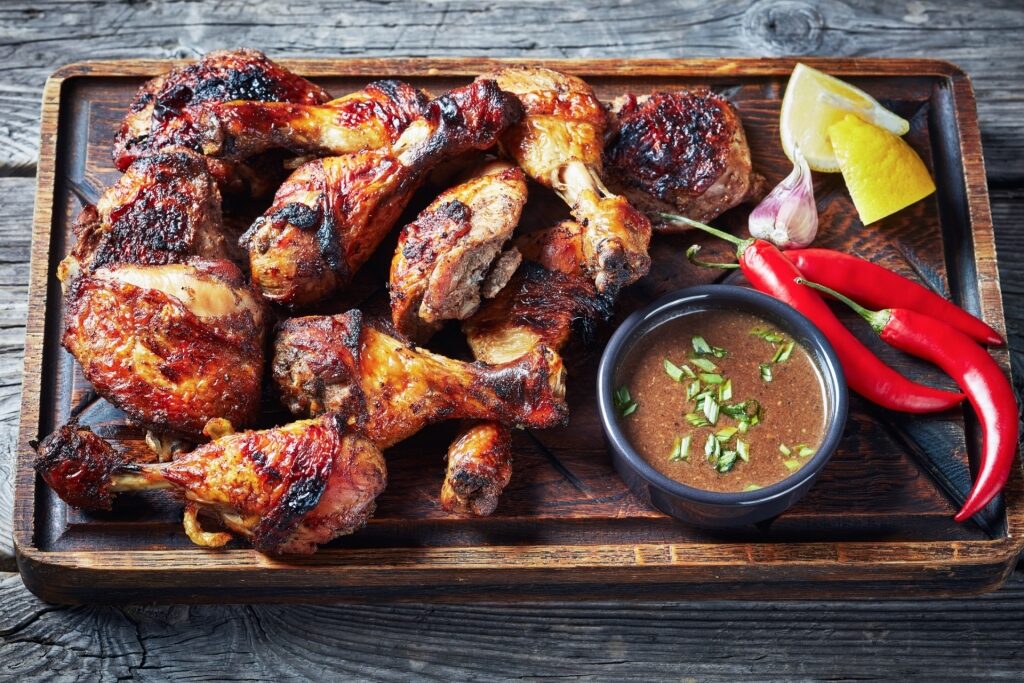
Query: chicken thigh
[(173, 346)]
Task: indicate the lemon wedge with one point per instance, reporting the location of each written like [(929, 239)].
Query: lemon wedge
[(813, 102), (883, 173)]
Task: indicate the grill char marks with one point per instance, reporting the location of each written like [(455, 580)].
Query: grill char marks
[(165, 209), (683, 151)]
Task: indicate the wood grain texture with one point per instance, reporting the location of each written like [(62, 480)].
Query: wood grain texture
[(975, 639), (46, 33)]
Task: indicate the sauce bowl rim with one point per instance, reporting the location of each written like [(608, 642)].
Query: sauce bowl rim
[(822, 355)]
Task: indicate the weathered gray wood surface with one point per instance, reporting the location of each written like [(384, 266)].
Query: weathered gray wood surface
[(966, 639)]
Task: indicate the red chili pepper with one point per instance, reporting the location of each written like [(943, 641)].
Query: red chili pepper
[(978, 375), (871, 285), (769, 271)]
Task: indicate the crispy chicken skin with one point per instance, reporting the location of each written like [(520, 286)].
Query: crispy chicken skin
[(286, 489), (173, 346), (479, 469), (559, 144), (682, 152), (391, 390), (160, 114), (166, 208), (372, 118), (452, 254), (548, 299), (331, 214)]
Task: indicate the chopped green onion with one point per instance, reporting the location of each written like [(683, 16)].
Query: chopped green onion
[(697, 420), (712, 449), (704, 364), (719, 352), (680, 449), (711, 378), (726, 461), (766, 372), (725, 391), (743, 450), (624, 403), (673, 370), (785, 450), (700, 346), (726, 433), (783, 353), (791, 465), (711, 409), (771, 336), (743, 427), (805, 452), (688, 371), (693, 389), (751, 487)]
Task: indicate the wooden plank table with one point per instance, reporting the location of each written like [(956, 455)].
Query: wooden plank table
[(962, 639)]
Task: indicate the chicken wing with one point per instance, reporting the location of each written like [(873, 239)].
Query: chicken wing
[(558, 143), (286, 489), (166, 208), (452, 254), (392, 390), (331, 214), (682, 152), (173, 346)]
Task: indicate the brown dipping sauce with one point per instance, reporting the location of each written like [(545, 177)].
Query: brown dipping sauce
[(789, 409)]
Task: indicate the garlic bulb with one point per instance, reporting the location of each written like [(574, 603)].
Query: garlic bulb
[(788, 216)]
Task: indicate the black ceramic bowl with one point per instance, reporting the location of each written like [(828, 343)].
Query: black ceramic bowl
[(698, 506)]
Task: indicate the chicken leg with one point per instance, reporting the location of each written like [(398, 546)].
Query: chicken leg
[(286, 489), (392, 390), (559, 144), (331, 214)]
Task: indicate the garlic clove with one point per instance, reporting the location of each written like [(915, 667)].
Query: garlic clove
[(788, 216)]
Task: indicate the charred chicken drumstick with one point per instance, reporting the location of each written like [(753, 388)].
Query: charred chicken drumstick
[(559, 143), (286, 489), (173, 346), (392, 390), (331, 214), (161, 113), (680, 152), (547, 299), (164, 209), (452, 255)]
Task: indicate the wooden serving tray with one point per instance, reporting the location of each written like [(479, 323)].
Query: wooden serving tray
[(878, 522)]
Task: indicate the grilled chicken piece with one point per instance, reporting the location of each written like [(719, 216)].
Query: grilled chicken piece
[(161, 113), (166, 208), (372, 118), (391, 390), (173, 346), (680, 152), (286, 489), (331, 214), (452, 254), (558, 143), (479, 469), (548, 299)]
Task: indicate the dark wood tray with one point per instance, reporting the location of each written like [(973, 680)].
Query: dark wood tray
[(878, 522)]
